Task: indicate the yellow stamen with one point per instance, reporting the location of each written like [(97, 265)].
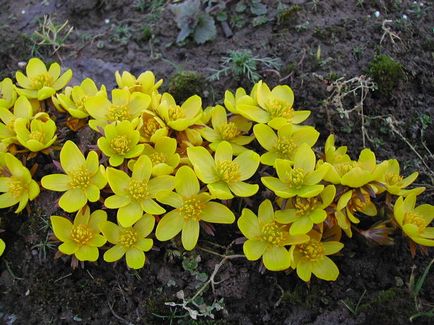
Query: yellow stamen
[(285, 147), (393, 179), (150, 127), (228, 131), (413, 218), (229, 171), (42, 80), (279, 108), (80, 178), (157, 158), (296, 177), (175, 113), (120, 144), (138, 190), (118, 113), (305, 205), (81, 234), (275, 234), (16, 187), (128, 237), (192, 209), (312, 250), (37, 135)]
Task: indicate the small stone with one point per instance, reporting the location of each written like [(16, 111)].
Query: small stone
[(399, 282), (377, 14)]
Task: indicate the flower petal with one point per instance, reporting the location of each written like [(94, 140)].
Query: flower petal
[(56, 182), (254, 249), (203, 163), (325, 269), (135, 258), (87, 253), (73, 200), (62, 228), (276, 258), (115, 253), (129, 214), (190, 234), (71, 158), (186, 182), (169, 226), (248, 224), (217, 213)]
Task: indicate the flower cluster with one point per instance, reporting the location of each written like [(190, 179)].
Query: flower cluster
[(177, 167)]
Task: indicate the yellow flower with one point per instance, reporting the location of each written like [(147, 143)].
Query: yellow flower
[(16, 183), (2, 246), (305, 212), (239, 99), (350, 202), (22, 109), (129, 241), (40, 83), (285, 143), (298, 178), (81, 238), (345, 171), (395, 183), (145, 83), (266, 237), (41, 134), (163, 156), (311, 257), (275, 107), (227, 130), (121, 141), (191, 207), (8, 95), (181, 117), (415, 221), (73, 99), (223, 175), (151, 127), (83, 180), (124, 106), (135, 194)]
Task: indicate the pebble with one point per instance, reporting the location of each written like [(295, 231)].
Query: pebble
[(377, 14)]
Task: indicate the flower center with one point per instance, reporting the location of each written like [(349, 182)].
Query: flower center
[(192, 209), (120, 144), (229, 171), (312, 250), (81, 234), (296, 177), (343, 168), (285, 147), (275, 234), (359, 200), (16, 187), (392, 179), (305, 205), (118, 113), (413, 218), (37, 135), (128, 237), (80, 103), (80, 178), (279, 108), (42, 80), (157, 158), (175, 113), (228, 131), (150, 128), (138, 190)]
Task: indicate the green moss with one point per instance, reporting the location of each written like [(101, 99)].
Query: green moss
[(185, 84), (288, 14), (146, 33), (386, 72)]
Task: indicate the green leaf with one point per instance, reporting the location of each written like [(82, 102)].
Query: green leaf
[(184, 33), (205, 29), (258, 8), (186, 13), (260, 20)]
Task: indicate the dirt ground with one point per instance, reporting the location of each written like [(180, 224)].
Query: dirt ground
[(317, 42)]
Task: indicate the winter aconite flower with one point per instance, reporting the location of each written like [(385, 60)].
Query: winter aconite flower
[(16, 184), (231, 130), (2, 246), (8, 95), (275, 107), (303, 213), (395, 183), (22, 109), (83, 180), (300, 178), (151, 127), (181, 117), (190, 207), (239, 99), (415, 221), (41, 83), (223, 175), (129, 241), (73, 100), (266, 237), (121, 141), (135, 194), (37, 136), (145, 83), (163, 156), (285, 143), (123, 106), (81, 238), (311, 257)]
